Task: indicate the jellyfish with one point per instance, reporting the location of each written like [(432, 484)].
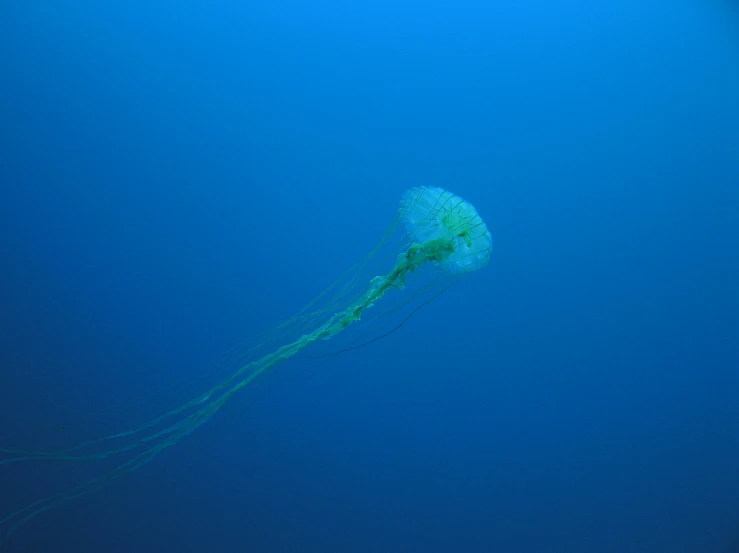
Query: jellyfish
[(442, 231)]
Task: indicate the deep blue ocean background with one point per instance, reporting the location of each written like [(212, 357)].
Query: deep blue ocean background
[(177, 176)]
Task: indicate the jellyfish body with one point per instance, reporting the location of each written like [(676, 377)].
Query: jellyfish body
[(443, 230)]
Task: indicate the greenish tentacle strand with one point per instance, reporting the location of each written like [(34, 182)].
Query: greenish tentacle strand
[(434, 250)]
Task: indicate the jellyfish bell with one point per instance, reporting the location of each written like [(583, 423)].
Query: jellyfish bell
[(431, 213)]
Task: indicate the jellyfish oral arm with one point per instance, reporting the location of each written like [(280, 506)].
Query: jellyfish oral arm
[(435, 250)]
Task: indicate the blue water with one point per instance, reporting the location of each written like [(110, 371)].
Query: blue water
[(175, 178)]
